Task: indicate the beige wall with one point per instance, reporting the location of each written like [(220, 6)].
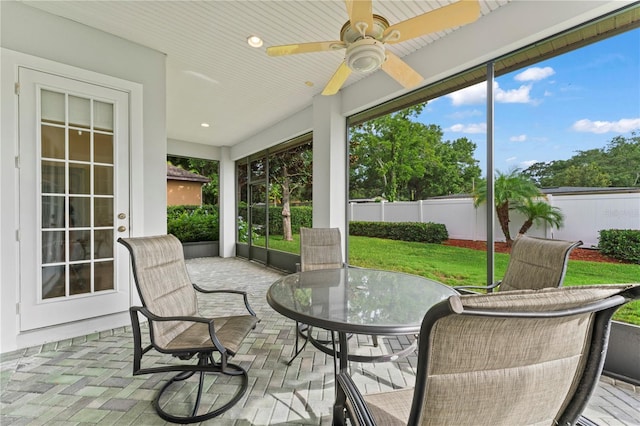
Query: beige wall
[(180, 192)]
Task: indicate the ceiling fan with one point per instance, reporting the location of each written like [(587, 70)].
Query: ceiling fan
[(365, 35)]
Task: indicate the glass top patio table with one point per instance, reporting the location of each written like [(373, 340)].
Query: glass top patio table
[(357, 300)]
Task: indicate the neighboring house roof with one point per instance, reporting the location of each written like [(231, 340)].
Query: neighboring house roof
[(178, 173), (566, 190)]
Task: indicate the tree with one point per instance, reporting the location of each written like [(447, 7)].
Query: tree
[(510, 189), (393, 148), (400, 158), (584, 175), (290, 172), (539, 212), (616, 165), (454, 171)]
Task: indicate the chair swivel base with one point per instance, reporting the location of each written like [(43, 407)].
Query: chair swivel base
[(230, 370)]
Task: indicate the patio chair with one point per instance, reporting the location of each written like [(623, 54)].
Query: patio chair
[(534, 263), (169, 303), (320, 248), (508, 358)]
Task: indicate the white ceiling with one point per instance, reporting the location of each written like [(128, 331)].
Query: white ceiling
[(213, 76)]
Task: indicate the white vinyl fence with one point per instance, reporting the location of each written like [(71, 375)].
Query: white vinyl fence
[(585, 215)]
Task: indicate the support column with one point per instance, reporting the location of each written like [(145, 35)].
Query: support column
[(329, 164), (227, 203)]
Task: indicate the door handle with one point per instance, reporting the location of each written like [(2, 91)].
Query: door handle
[(122, 228)]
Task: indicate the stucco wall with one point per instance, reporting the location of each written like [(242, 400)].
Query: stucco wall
[(41, 35), (181, 192)]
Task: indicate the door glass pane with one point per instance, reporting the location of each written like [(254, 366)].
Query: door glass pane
[(53, 211), (103, 148), (52, 107), (104, 244), (79, 178), (53, 247), (79, 212), (104, 180), (103, 208), (79, 245), (258, 168), (79, 112), (79, 145), (103, 116), (258, 214), (79, 278), (53, 281), (53, 177), (104, 276), (52, 142)]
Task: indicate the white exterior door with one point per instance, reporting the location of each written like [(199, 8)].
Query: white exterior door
[(74, 199)]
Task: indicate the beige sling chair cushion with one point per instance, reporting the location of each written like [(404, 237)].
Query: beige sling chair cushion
[(536, 263), (166, 290), (483, 370), (320, 248)]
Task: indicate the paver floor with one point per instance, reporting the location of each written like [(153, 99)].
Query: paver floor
[(88, 380)]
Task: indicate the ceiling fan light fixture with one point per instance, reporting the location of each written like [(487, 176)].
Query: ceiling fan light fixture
[(365, 55)]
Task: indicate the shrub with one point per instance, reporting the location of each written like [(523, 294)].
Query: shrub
[(623, 244), (193, 223), (301, 216), (405, 231)]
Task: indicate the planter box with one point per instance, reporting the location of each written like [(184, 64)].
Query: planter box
[(623, 355), (201, 249)]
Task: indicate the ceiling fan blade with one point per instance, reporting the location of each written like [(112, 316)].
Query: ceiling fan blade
[(453, 15), (337, 80), (400, 71), (291, 49), (360, 11)]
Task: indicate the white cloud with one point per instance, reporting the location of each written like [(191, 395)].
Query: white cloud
[(535, 74), (511, 159), (477, 94), (514, 96), (527, 164), (471, 95), (468, 128), (621, 126), (519, 138)]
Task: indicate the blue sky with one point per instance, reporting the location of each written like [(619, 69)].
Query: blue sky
[(550, 110)]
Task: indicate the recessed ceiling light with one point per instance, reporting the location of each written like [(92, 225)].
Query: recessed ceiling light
[(309, 83), (204, 124), (254, 41)]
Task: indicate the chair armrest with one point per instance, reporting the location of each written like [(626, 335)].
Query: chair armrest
[(209, 321), (469, 289), (356, 408), (244, 294), (147, 313)]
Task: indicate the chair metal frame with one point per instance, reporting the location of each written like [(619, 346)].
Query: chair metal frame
[(205, 354)]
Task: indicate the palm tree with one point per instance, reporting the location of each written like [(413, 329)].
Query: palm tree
[(539, 212), (510, 190)]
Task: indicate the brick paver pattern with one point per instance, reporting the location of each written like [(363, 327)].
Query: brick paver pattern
[(88, 380)]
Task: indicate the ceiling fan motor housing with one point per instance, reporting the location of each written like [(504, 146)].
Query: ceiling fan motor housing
[(365, 55)]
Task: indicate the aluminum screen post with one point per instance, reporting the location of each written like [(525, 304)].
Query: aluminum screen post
[(490, 177)]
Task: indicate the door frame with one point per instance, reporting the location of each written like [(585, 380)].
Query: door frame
[(36, 311), (9, 193)]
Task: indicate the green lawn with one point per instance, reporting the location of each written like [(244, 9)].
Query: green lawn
[(460, 266)]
